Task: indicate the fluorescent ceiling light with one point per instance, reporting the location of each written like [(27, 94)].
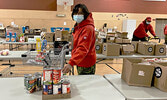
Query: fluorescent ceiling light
[(154, 0)]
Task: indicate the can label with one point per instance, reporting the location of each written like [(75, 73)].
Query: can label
[(65, 88), (47, 74), (38, 83), (47, 89), (30, 85), (57, 89), (56, 75)]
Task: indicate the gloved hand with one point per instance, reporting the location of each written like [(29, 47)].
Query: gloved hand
[(156, 37), (148, 38)]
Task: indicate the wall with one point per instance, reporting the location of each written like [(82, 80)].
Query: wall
[(50, 5), (125, 6), (39, 19)]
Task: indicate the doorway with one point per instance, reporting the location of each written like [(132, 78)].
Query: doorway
[(159, 27)]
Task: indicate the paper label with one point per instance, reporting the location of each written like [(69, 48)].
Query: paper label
[(141, 73)]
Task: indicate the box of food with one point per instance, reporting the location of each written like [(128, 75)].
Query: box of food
[(111, 49), (146, 48)]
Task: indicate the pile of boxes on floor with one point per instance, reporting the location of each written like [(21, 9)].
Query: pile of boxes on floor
[(115, 44), (145, 72), (54, 85)]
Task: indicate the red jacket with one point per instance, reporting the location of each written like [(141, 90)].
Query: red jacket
[(165, 30), (142, 29), (83, 52)]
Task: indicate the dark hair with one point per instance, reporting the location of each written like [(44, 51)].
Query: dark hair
[(84, 10)]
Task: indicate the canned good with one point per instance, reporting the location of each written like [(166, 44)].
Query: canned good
[(65, 88), (38, 80), (25, 78), (47, 89), (31, 84), (47, 74), (56, 75), (57, 88)]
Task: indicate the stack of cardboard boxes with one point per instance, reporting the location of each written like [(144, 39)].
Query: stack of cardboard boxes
[(136, 72)]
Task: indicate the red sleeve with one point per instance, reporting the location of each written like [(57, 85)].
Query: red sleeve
[(142, 30), (83, 47), (151, 30)]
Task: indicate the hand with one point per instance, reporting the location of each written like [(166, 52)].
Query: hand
[(148, 38), (66, 68), (156, 37)]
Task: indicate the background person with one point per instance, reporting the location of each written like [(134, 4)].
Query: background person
[(141, 31)]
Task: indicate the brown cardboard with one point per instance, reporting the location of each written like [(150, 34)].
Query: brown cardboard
[(111, 49), (127, 50), (122, 35), (110, 39), (65, 36), (137, 74), (160, 49), (113, 34), (49, 37), (135, 45), (56, 96), (126, 41), (160, 76), (146, 48), (98, 47), (118, 40), (58, 35)]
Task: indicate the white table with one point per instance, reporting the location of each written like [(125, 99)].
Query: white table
[(88, 87), (134, 92)]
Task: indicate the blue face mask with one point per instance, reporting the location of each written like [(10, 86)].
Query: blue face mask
[(78, 18)]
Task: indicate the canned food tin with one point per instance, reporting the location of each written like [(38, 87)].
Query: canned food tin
[(65, 88), (56, 75), (57, 88), (47, 74), (38, 82), (31, 84), (25, 78), (47, 89)]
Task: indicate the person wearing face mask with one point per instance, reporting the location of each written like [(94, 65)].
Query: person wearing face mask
[(83, 53), (141, 31)]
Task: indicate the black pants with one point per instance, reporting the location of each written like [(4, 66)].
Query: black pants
[(137, 39)]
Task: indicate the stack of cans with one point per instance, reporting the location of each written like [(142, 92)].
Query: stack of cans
[(53, 83), (32, 83)]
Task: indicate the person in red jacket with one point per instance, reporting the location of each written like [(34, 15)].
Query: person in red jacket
[(83, 52), (141, 31), (165, 33)]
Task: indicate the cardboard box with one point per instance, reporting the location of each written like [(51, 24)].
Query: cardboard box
[(58, 35), (160, 49), (98, 47), (126, 41), (127, 50), (111, 49), (118, 40), (122, 35), (135, 45), (113, 34), (146, 48), (49, 37), (65, 36), (110, 39), (137, 74), (56, 96), (160, 76)]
